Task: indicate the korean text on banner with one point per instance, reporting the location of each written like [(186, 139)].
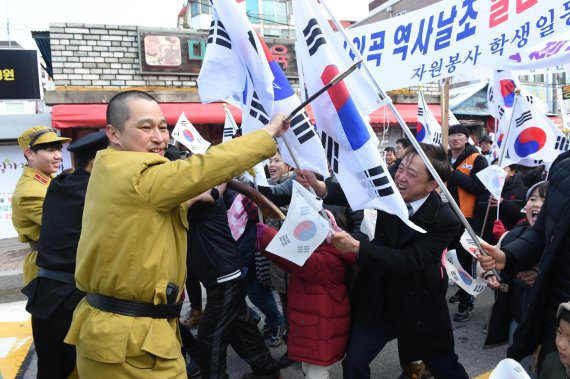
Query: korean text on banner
[(455, 36)]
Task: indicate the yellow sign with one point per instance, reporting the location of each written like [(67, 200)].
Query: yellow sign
[(566, 92)]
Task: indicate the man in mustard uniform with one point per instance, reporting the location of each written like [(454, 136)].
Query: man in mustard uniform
[(131, 258), (42, 149)]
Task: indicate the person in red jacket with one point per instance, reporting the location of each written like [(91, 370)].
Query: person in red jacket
[(318, 307)]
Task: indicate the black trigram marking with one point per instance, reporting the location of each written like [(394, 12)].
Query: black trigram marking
[(538, 162), (436, 138), (331, 149), (303, 250), (218, 35), (526, 116), (228, 132), (304, 210), (284, 240), (252, 40), (379, 181), (501, 110), (302, 127), (420, 112), (491, 94), (562, 143), (313, 36), (257, 111), (530, 99)]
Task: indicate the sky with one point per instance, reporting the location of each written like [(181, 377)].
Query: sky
[(24, 16)]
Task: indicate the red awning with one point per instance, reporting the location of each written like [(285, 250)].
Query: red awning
[(383, 115), (94, 115)]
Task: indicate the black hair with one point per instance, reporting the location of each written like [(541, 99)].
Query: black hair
[(118, 111), (45, 146), (542, 189), (405, 142), (390, 149), (438, 158)]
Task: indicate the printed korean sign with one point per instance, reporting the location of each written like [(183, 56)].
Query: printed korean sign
[(455, 36)]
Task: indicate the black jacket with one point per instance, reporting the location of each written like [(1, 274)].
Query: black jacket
[(401, 278), (548, 243), (212, 251), (57, 250)]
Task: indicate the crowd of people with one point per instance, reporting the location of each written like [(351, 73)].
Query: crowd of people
[(117, 242)]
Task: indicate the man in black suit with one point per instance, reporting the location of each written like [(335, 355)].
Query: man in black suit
[(400, 289)]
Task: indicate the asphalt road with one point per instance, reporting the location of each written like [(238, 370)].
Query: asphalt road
[(469, 337)]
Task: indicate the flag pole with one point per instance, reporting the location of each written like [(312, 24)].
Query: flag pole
[(502, 151), (410, 136)]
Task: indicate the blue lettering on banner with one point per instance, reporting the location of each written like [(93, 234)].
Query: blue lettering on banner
[(567, 14), (360, 44), (522, 35), (435, 69), (453, 60), (546, 24), (445, 28), (422, 41), (498, 44), (470, 14), (377, 39), (402, 35), (473, 55)]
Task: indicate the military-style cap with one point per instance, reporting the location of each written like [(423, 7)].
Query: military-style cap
[(93, 141), (486, 138), (39, 135)]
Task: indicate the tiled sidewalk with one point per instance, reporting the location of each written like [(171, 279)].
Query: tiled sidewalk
[(12, 255)]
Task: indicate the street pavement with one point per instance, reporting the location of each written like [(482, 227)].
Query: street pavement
[(17, 356)]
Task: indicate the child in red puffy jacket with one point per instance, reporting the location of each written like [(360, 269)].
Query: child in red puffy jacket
[(318, 307)]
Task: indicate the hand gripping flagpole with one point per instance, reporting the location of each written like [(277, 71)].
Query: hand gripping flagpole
[(503, 151), (385, 98)]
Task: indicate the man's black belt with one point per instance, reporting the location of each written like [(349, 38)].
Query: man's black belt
[(60, 276), (133, 308)]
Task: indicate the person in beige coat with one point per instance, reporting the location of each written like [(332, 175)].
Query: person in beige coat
[(131, 259), (42, 149)]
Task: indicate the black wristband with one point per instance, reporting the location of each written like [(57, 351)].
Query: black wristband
[(215, 193)]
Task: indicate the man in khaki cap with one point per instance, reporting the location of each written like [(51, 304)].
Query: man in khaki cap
[(42, 149)]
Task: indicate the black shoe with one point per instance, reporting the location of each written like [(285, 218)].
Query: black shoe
[(284, 361), (465, 315), (454, 299)]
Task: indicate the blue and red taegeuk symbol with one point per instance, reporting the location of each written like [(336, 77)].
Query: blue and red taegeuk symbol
[(352, 124), (508, 92), (188, 135), (500, 139), (305, 230), (281, 87), (529, 141), (465, 277), (420, 132)]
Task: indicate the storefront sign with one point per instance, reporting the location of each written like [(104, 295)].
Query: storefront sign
[(566, 92), (19, 77), (181, 53)]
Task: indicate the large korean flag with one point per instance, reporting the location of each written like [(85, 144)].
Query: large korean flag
[(303, 230), (533, 139), (237, 63), (349, 141)]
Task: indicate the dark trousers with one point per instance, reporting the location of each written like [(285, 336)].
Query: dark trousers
[(365, 344), (56, 359), (227, 320)]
